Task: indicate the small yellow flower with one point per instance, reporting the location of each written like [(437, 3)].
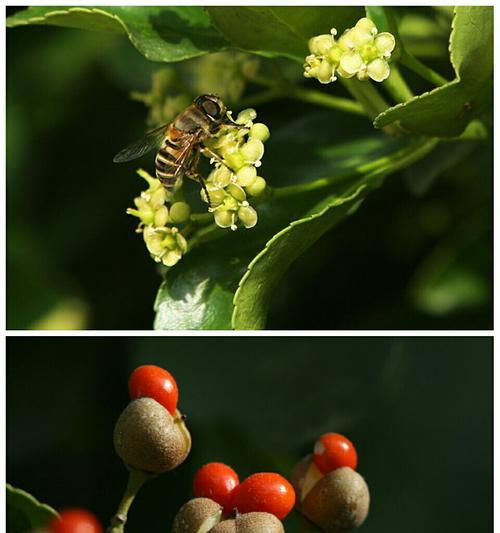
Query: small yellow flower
[(235, 177), (360, 51)]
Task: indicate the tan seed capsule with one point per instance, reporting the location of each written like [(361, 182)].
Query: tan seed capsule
[(338, 502), (148, 438), (303, 478), (258, 523), (226, 526), (198, 515)]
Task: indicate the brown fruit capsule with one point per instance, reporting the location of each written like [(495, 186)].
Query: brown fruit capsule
[(198, 515), (226, 526), (258, 523), (148, 438), (303, 478), (338, 502)]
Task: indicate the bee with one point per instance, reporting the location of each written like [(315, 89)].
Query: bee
[(181, 142)]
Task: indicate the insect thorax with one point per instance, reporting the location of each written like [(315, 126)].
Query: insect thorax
[(192, 120)]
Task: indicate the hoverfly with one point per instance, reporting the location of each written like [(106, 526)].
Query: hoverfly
[(180, 142)]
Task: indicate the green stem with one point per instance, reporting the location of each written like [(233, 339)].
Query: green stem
[(411, 62), (317, 97), (396, 86), (135, 481), (201, 218), (367, 95), (400, 159), (371, 100), (284, 89)]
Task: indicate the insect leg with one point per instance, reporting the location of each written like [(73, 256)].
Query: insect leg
[(213, 155), (199, 178)]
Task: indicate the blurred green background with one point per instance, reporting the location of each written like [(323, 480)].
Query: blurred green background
[(419, 411), (405, 260)]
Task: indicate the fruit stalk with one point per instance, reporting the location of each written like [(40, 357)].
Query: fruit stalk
[(135, 481)]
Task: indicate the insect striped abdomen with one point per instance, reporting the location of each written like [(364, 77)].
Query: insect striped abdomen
[(166, 164)]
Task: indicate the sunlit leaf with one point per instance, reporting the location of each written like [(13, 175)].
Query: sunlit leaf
[(447, 110)]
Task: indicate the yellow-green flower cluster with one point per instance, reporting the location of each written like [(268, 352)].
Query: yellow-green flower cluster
[(360, 51), (163, 239), (234, 180)]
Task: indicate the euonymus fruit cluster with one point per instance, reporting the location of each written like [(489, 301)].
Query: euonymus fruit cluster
[(223, 504), (151, 438)]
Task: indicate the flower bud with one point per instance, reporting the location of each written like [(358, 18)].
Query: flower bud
[(246, 175), (145, 214), (171, 258), (247, 215), (246, 116), (257, 187), (180, 212), (161, 216), (320, 44), (334, 55), (216, 195), (235, 160), (325, 72), (224, 218), (152, 182), (220, 177), (260, 132), (252, 150), (236, 192), (230, 203), (338, 502), (149, 439), (198, 515), (158, 197)]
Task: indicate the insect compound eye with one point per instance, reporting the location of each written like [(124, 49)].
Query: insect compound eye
[(210, 107)]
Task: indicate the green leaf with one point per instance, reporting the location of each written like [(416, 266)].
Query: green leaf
[(25, 513), (162, 33), (283, 30), (447, 110), (198, 292), (257, 286)]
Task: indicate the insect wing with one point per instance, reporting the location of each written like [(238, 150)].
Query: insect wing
[(184, 158), (138, 148)]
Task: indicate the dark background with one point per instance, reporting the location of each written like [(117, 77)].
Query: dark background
[(74, 260), (419, 411)]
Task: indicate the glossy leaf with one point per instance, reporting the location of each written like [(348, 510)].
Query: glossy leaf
[(264, 272), (198, 292), (280, 30), (160, 33), (447, 110), (24, 512)]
